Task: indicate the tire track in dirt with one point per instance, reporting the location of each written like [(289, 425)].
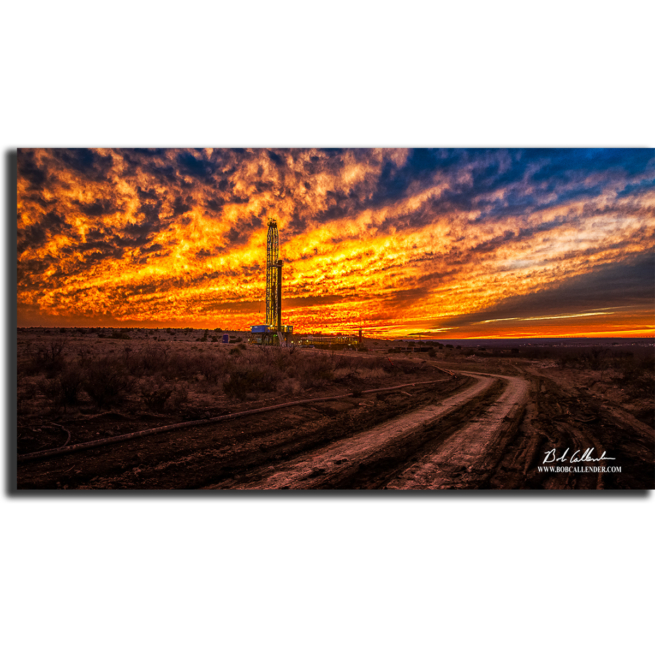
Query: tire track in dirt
[(469, 456), (333, 465), (206, 454), (571, 421), (379, 468)]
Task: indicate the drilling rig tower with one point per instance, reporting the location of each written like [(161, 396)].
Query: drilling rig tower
[(273, 277), (273, 332)]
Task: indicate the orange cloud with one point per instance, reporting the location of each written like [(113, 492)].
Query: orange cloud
[(400, 240)]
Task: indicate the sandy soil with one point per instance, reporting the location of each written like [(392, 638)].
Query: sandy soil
[(332, 465), (468, 457)]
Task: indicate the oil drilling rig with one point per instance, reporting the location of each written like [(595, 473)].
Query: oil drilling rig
[(273, 332)]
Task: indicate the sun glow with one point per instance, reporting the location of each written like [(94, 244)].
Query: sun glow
[(178, 238)]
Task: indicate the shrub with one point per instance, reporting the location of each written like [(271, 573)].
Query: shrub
[(106, 381), (63, 390), (315, 371), (567, 360), (261, 378), (241, 383), (596, 357), (179, 397), (235, 351), (70, 383), (211, 366), (49, 358), (154, 397), (51, 389), (369, 362), (289, 386), (638, 373), (150, 360)]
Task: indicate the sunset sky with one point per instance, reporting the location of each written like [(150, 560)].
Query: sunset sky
[(450, 243)]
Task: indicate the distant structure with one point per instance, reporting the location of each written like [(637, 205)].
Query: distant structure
[(273, 332), (273, 276), (326, 341)]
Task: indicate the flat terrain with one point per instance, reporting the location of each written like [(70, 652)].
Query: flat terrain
[(372, 420)]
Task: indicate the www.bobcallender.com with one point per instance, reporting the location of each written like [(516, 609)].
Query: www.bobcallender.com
[(579, 469)]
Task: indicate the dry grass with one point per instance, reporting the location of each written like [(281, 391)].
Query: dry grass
[(57, 373)]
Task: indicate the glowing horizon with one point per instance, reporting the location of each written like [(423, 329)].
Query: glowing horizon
[(448, 243)]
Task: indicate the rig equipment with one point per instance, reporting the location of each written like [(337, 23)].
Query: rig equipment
[(273, 331), (273, 276)]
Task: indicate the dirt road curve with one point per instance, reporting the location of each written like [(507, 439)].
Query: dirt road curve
[(454, 430), (471, 454), (368, 458)]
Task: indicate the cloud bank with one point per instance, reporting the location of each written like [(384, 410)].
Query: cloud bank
[(453, 242)]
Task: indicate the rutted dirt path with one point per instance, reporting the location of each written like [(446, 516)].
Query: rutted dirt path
[(368, 458), (469, 456), (229, 452), (464, 429)]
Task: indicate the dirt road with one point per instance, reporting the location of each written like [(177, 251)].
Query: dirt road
[(333, 465), (230, 452), (463, 429), (468, 457)]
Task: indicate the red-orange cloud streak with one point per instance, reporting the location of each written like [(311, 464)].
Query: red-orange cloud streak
[(401, 241)]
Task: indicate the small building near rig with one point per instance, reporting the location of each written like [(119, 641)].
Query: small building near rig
[(272, 332)]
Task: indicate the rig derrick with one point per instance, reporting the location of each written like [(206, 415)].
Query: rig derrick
[(273, 331)]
